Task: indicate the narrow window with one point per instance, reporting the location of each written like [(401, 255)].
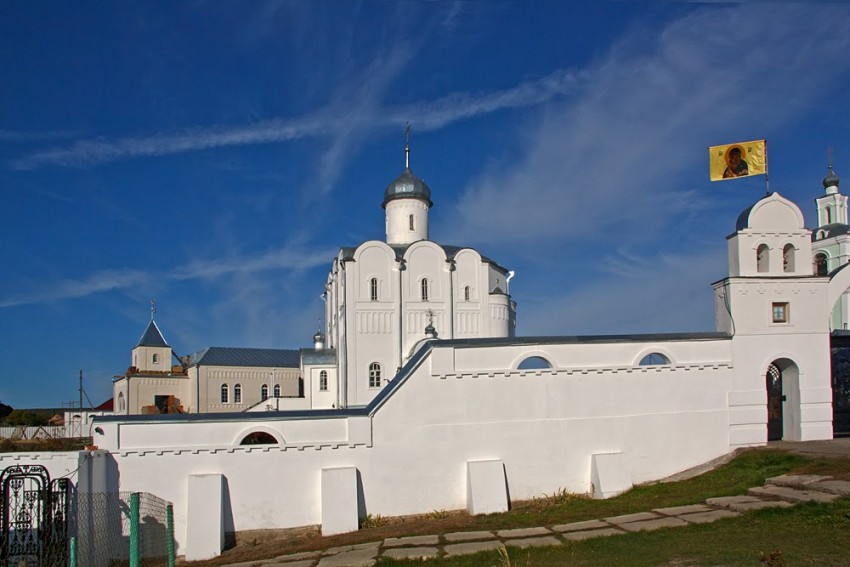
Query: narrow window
[(654, 359), (829, 215), (424, 289), (788, 258), (323, 381), (156, 358), (820, 264), (264, 392), (466, 293), (762, 260), (121, 404), (225, 394), (277, 390), (373, 289), (410, 220), (780, 312), (374, 375), (237, 394)]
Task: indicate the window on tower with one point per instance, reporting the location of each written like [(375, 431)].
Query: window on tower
[(155, 358), (374, 375), (323, 381), (788, 258), (466, 293), (820, 264), (373, 289), (410, 220), (424, 289), (762, 258)]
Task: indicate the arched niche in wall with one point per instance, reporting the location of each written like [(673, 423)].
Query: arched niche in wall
[(653, 357), (535, 360), (259, 435)]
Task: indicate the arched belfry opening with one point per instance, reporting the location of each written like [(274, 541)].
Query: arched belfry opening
[(782, 382)]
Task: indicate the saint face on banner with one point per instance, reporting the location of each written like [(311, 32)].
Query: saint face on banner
[(737, 160)]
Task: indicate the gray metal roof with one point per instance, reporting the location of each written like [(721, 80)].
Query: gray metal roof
[(152, 337), (313, 356), (407, 186), (262, 357), (833, 229)]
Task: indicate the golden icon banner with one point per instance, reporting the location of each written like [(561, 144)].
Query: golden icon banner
[(741, 159)]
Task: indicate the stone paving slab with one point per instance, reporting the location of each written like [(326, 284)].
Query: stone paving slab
[(796, 480), (302, 563), (792, 494), (841, 487), (355, 558), (411, 552), (412, 540), (649, 525), (679, 510), (523, 532), (760, 505), (708, 517), (581, 526), (639, 517), (297, 556), (729, 501), (533, 542), (467, 536), (245, 563), (578, 536), (360, 546), (471, 547)]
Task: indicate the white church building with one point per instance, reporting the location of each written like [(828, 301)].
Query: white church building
[(418, 396)]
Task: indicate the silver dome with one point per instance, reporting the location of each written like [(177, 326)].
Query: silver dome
[(407, 186), (830, 179)]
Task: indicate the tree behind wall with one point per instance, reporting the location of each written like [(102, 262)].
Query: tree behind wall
[(5, 411)]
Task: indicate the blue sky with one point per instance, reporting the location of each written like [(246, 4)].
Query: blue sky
[(215, 155)]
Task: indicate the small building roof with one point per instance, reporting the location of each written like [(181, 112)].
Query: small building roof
[(256, 357), (152, 337)]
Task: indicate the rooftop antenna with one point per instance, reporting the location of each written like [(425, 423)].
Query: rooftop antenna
[(153, 308), (407, 145)]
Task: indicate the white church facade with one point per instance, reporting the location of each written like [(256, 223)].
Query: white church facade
[(464, 422)]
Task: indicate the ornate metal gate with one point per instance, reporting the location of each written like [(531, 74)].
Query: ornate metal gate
[(33, 518)]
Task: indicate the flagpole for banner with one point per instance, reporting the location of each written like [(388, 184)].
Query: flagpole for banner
[(766, 179)]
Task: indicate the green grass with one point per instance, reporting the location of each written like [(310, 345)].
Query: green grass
[(807, 534), (745, 471)]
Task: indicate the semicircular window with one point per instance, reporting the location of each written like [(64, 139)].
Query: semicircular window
[(534, 363), (653, 359), (259, 438)]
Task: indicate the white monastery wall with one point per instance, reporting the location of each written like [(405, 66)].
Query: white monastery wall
[(544, 425)]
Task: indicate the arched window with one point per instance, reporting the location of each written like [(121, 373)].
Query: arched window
[(654, 359), (277, 390), (155, 358), (410, 220), (264, 392), (762, 258), (534, 363), (259, 438), (829, 215), (820, 264), (225, 394), (374, 375), (466, 293), (323, 381), (424, 289), (788, 258), (373, 289), (121, 402), (237, 394)]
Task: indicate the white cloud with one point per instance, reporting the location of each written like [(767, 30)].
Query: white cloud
[(126, 279), (609, 156)]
